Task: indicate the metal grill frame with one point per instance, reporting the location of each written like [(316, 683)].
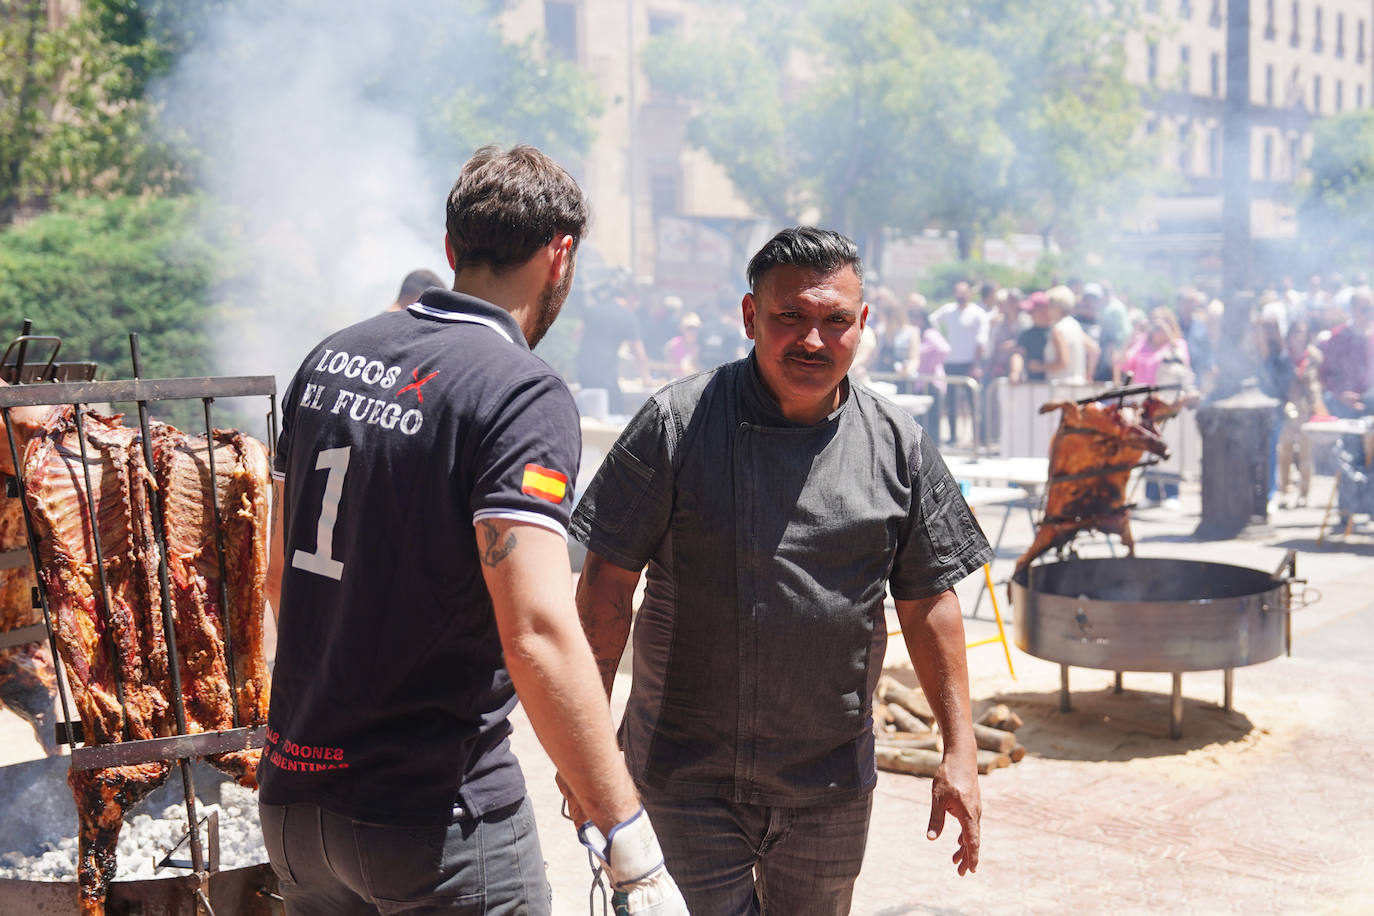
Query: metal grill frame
[(181, 747)]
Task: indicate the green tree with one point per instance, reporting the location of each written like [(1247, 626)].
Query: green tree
[(904, 113), (90, 271), (72, 113), (1336, 214)]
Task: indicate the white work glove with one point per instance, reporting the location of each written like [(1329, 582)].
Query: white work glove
[(634, 863)]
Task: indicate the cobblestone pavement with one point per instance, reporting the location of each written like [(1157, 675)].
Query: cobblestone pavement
[(1264, 809)]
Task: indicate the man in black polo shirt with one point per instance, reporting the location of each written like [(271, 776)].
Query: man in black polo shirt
[(427, 458)]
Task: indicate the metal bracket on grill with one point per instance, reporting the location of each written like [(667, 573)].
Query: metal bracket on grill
[(211, 823), (36, 632), (138, 389), (173, 747)]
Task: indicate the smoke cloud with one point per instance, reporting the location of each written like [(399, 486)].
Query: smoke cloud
[(309, 119)]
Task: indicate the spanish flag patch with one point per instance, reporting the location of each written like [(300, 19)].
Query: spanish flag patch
[(544, 483)]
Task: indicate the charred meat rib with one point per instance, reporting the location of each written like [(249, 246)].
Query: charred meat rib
[(1092, 455), (114, 649)]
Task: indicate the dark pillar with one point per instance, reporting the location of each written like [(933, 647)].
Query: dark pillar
[(1235, 134), (1235, 464)]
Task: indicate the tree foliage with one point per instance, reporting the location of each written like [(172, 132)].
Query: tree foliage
[(1337, 210), (907, 113), (73, 116), (90, 271)]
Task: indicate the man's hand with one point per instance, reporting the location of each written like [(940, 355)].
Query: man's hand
[(575, 812), (1352, 399), (955, 791), (933, 629), (634, 863)]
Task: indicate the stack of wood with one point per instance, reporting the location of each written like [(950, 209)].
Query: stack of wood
[(908, 740)]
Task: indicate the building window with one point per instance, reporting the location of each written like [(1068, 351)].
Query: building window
[(1214, 18), (1359, 95), (1316, 93), (1340, 96), (1185, 68), (1340, 34), (1294, 157), (1268, 157), (1269, 85), (1359, 43), (1152, 62), (1214, 151), (1185, 147), (1296, 36), (1317, 30), (1216, 75), (1152, 6), (1185, 9), (1269, 30), (560, 28)]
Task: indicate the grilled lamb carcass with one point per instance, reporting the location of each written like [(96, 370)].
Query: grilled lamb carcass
[(120, 649), (1092, 455)]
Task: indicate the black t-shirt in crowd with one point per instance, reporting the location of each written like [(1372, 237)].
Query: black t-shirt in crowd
[(390, 693), (1033, 341)]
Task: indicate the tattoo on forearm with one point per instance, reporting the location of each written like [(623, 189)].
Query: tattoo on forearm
[(495, 549), (604, 623)]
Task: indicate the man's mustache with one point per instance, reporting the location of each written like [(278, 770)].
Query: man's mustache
[(808, 357)]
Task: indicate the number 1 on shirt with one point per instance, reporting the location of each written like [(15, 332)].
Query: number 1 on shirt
[(322, 560)]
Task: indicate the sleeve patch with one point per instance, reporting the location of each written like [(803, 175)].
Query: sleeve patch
[(544, 483)]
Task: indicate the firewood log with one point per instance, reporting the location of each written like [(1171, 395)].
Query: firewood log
[(1000, 716), (890, 690), (916, 761), (1017, 753), (921, 762), (927, 740), (991, 760), (905, 720), (993, 739)]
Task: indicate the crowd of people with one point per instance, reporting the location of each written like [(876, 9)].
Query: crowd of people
[(1309, 348)]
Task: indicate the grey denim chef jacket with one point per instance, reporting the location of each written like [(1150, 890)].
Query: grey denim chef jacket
[(762, 631)]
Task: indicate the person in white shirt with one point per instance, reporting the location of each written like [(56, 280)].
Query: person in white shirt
[(964, 324), (1071, 351)]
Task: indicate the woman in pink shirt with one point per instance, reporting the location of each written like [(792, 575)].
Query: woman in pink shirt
[(1162, 341)]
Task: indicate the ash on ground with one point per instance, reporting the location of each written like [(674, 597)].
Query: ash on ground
[(39, 825)]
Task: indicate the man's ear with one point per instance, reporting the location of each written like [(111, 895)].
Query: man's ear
[(562, 259), (448, 250), (863, 316), (747, 307)]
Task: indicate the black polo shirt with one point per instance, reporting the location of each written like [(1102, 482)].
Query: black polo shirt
[(390, 694)]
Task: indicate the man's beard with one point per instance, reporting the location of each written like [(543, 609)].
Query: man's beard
[(550, 305)]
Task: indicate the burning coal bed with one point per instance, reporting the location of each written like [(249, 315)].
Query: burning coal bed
[(38, 823)]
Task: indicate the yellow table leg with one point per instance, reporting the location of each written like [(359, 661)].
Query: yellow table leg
[(1001, 631)]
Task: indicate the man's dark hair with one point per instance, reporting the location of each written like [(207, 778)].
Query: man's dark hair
[(506, 205), (821, 250), (415, 283)]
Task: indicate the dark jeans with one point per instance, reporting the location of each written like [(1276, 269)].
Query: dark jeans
[(732, 859), (331, 865)]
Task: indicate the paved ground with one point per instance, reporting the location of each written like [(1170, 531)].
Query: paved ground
[(1265, 809)]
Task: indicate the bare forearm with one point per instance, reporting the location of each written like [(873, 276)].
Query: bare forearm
[(556, 679), (527, 574), (933, 629), (605, 605)]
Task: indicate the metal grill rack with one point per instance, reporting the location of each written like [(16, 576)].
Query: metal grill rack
[(181, 747)]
